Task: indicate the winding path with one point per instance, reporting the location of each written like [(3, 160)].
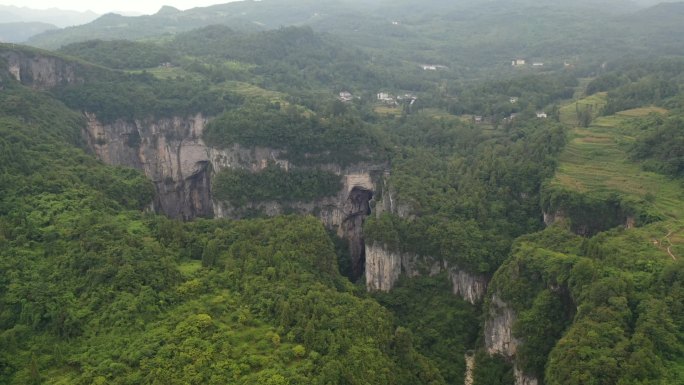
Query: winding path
[(669, 247)]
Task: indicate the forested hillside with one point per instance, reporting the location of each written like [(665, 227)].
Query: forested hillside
[(351, 192), (93, 290)]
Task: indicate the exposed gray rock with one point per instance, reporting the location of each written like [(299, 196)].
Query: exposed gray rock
[(498, 329), (384, 267), (468, 286), (523, 379), (40, 71), (499, 339), (553, 217), (169, 151), (173, 155)]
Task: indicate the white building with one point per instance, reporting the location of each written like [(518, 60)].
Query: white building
[(346, 96), (518, 62)]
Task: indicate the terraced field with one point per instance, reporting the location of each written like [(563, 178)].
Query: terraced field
[(596, 161)]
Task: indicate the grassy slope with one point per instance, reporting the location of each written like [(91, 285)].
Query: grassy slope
[(596, 160)]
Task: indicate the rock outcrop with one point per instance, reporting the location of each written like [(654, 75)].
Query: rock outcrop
[(170, 152), (498, 329), (468, 378), (499, 338), (523, 379), (40, 71), (553, 217), (384, 267), (173, 155)]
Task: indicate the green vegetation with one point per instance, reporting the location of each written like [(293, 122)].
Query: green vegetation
[(306, 138), (141, 96), (587, 307), (452, 175), (598, 186), (531, 93), (492, 370), (615, 282), (444, 326), (94, 291), (119, 54), (240, 187), (662, 148)]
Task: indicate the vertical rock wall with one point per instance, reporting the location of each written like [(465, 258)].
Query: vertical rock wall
[(169, 151), (499, 339), (174, 157), (384, 267), (40, 71)]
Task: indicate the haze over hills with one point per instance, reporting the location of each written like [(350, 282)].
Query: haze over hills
[(21, 31), (55, 16), (457, 31), (17, 24)]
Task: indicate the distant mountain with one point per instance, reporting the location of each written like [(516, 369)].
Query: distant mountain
[(341, 16), (662, 11), (21, 31), (659, 26), (451, 33), (58, 17), (647, 3)]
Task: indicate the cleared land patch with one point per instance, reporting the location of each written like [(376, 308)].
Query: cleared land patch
[(596, 160)]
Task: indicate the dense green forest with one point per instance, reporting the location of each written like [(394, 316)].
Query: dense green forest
[(95, 291), (275, 184), (559, 182)]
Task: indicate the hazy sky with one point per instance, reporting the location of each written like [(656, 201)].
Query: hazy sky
[(141, 6)]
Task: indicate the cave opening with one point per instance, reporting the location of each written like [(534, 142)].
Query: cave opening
[(357, 208)]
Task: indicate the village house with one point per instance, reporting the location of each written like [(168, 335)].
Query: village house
[(513, 99), (518, 62), (386, 98), (432, 67), (541, 115), (537, 64), (407, 96), (346, 96)]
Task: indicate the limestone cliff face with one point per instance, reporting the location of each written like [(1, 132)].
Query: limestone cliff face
[(586, 229), (384, 267), (470, 287), (40, 71), (498, 329), (343, 213), (499, 339), (170, 152), (553, 217), (173, 155), (389, 203), (523, 379)]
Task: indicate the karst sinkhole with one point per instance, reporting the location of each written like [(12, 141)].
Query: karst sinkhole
[(357, 208)]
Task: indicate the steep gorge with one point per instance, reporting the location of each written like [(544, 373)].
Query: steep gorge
[(41, 71), (499, 338), (173, 155), (384, 267)]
